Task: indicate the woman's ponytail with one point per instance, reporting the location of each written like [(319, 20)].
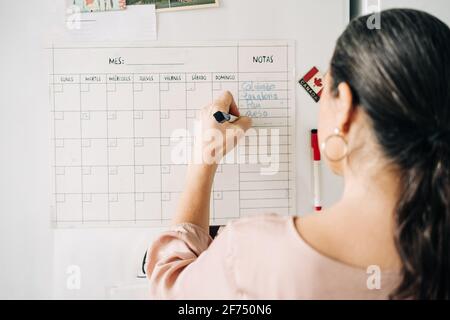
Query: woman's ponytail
[(423, 223)]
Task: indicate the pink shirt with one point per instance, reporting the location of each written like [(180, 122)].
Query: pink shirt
[(252, 258)]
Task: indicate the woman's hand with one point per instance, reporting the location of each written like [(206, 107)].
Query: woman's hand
[(214, 140)]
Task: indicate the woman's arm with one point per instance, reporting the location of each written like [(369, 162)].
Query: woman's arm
[(174, 269), (194, 202), (211, 144)]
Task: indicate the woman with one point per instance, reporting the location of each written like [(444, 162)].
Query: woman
[(384, 125)]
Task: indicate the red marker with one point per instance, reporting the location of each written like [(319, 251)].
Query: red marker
[(316, 169)]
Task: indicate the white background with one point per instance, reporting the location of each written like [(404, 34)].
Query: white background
[(33, 257)]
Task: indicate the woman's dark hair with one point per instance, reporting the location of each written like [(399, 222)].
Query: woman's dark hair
[(400, 76)]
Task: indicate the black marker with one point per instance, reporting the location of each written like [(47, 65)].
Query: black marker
[(221, 117)]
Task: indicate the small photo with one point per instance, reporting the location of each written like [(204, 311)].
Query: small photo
[(97, 5), (168, 5), (159, 4)]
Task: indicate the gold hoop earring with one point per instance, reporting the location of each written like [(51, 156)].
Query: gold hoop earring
[(336, 135)]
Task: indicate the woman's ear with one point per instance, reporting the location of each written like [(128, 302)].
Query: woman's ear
[(344, 110)]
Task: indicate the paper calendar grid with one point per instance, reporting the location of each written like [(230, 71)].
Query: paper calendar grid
[(114, 109)]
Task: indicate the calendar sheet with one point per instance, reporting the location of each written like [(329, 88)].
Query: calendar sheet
[(116, 110)]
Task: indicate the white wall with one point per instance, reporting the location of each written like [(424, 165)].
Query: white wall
[(25, 236)]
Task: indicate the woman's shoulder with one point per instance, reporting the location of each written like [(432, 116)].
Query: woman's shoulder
[(256, 233), (262, 223), (265, 255)]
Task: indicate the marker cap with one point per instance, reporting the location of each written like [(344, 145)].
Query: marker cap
[(315, 145)]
